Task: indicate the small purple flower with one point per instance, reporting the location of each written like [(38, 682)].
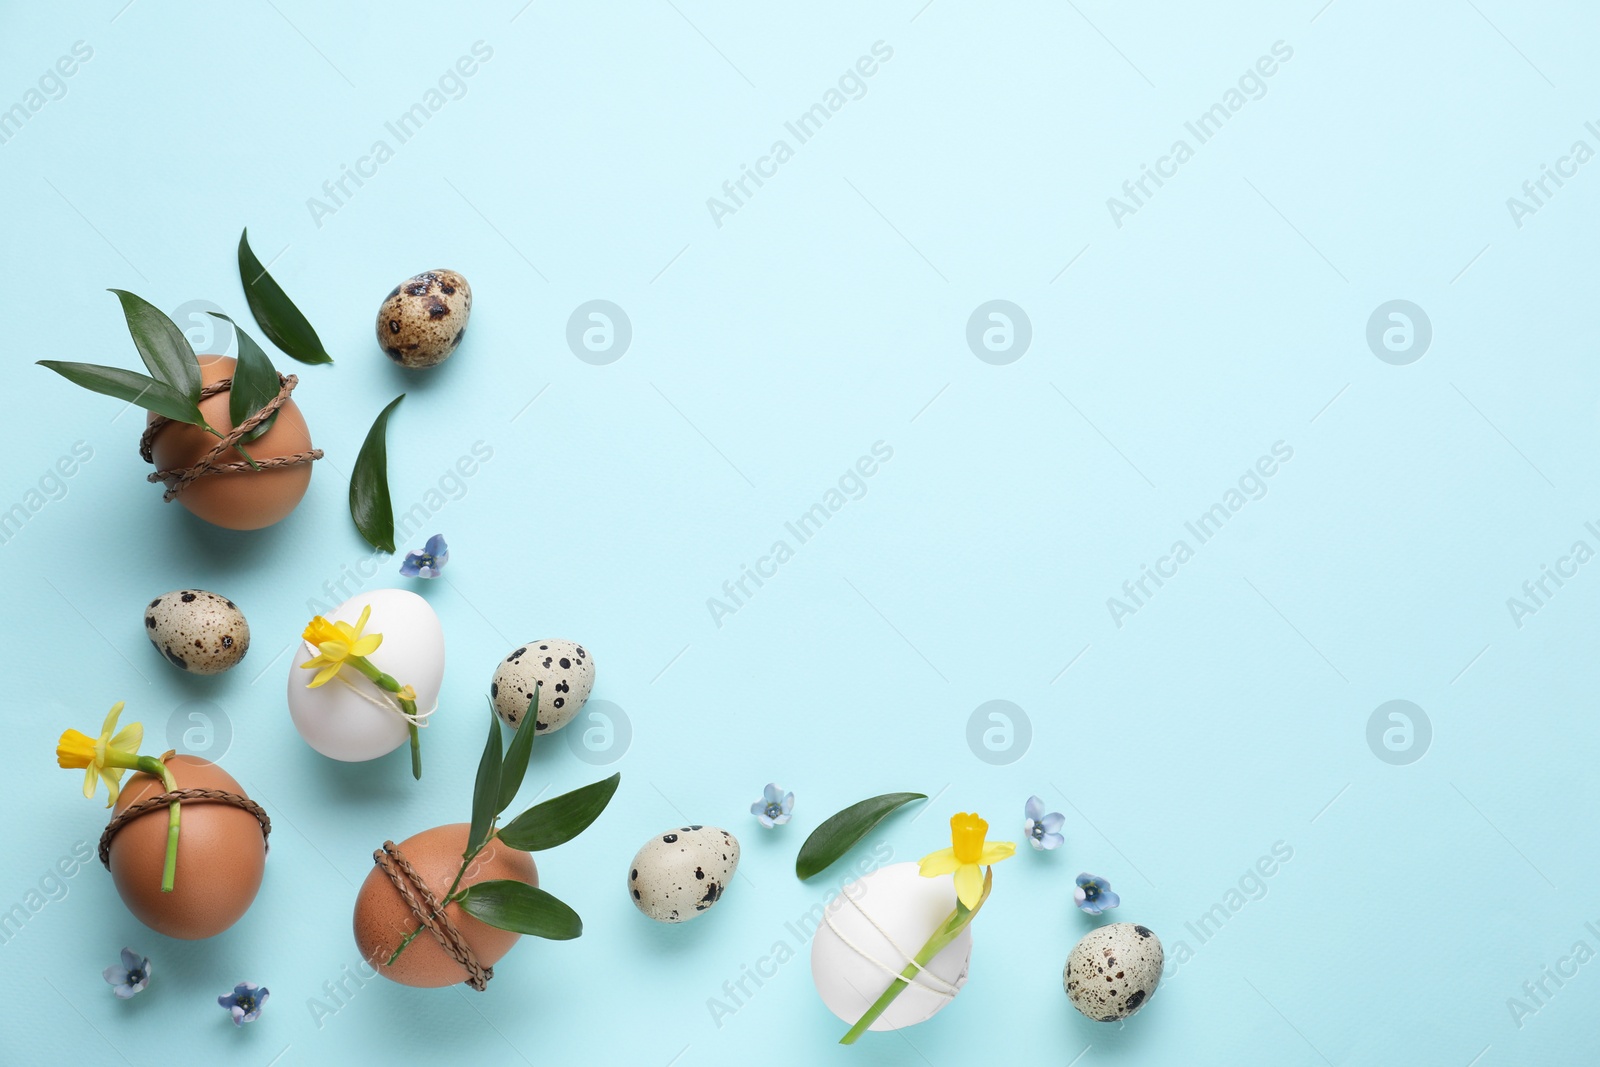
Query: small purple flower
[(131, 977), (429, 562), (774, 807), (246, 1002), (1094, 895), (1044, 831)]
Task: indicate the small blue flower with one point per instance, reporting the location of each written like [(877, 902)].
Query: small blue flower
[(131, 977), (1044, 831), (774, 807), (246, 1002), (429, 562), (1094, 895)]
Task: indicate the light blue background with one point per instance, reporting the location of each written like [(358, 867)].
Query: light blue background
[(829, 313)]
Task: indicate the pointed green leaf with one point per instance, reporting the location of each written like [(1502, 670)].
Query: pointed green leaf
[(166, 352), (486, 790), (839, 833), (255, 382), (275, 313), (516, 764), (370, 505), (131, 386), (558, 821), (523, 908)]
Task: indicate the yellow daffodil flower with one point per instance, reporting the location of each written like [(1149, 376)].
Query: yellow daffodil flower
[(336, 643), (966, 857), (103, 758)]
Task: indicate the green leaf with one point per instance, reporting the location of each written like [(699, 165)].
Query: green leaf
[(558, 821), (515, 767), (370, 505), (255, 382), (485, 791), (131, 386), (275, 313), (522, 908), (839, 833), (166, 352)]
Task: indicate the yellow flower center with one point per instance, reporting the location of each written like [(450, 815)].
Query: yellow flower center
[(967, 832), (319, 630)]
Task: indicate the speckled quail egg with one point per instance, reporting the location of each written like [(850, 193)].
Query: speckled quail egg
[(563, 671), (1113, 971), (197, 631), (422, 319), (680, 873)]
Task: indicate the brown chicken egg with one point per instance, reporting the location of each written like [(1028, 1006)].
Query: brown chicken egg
[(242, 500), (383, 920), (221, 855)]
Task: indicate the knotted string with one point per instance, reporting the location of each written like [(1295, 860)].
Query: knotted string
[(425, 906), (179, 477)]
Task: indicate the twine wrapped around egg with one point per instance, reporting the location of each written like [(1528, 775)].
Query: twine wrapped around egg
[(425, 906), (156, 803), (178, 478)]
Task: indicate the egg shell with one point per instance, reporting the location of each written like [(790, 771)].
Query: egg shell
[(221, 855), (197, 631), (243, 500), (850, 944), (338, 719), (423, 318), (680, 873), (1113, 971), (562, 670), (383, 919)]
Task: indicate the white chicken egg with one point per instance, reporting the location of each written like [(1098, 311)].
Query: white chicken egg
[(350, 718), (871, 930)]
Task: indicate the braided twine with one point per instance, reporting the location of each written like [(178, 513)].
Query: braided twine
[(157, 803), (179, 477), (425, 906)]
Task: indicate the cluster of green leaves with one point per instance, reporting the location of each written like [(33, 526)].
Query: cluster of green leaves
[(507, 903), (172, 388), (839, 833)]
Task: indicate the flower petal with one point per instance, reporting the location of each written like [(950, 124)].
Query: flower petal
[(436, 547), (1052, 841), (969, 884), (788, 803), (1108, 899), (772, 794), (132, 961), (114, 975), (110, 725), (91, 778), (937, 863), (1034, 808), (367, 645), (995, 851), (129, 738), (324, 676), (1034, 841), (409, 568)]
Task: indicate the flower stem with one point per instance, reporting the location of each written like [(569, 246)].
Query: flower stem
[(388, 684), (157, 768), (945, 933)]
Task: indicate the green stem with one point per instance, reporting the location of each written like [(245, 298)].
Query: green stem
[(158, 769), (239, 448), (466, 861), (945, 933), (388, 683)]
